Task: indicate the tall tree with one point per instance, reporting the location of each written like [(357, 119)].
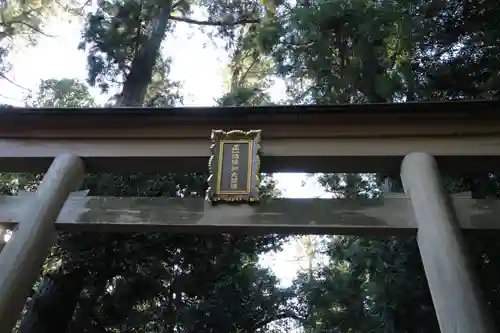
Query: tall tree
[(124, 39)]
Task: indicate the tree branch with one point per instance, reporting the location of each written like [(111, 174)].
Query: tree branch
[(31, 27), (213, 23), (280, 316), (175, 5), (244, 76), (3, 76)]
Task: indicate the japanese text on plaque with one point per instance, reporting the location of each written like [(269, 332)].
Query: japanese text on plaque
[(235, 162)]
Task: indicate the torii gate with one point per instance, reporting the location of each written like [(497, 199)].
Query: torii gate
[(412, 138)]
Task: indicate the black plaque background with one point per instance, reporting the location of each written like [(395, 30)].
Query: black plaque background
[(243, 168), (220, 164)]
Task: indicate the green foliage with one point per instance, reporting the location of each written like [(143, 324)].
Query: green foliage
[(61, 93), (112, 36), (24, 18), (163, 92), (249, 73), (123, 38), (369, 285), (22, 22), (376, 51)]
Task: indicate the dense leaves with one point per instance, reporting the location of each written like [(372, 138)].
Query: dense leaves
[(123, 39), (22, 22), (61, 93)]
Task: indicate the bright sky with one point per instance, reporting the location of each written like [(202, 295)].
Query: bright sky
[(197, 63)]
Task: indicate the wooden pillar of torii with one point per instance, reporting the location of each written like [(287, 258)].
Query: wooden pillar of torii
[(458, 299), (23, 256)]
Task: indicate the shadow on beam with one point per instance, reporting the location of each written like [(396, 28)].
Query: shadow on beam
[(389, 216)]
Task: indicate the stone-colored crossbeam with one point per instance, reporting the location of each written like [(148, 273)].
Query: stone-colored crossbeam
[(369, 154), (390, 215)]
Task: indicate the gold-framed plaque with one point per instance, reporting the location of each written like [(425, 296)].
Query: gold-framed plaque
[(234, 166)]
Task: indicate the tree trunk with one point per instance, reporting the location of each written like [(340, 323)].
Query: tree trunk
[(138, 79), (51, 308)]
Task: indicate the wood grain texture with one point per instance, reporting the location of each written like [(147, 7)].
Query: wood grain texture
[(24, 254), (458, 299), (278, 155), (298, 127), (389, 216)]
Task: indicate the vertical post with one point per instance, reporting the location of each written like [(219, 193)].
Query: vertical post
[(458, 300), (24, 254)]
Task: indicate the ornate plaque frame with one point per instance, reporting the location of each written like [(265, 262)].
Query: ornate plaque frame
[(234, 166)]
